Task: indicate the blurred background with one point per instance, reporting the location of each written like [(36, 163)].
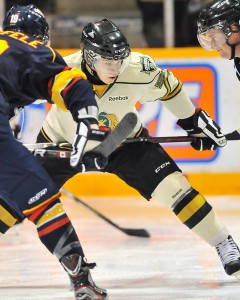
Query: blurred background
[(146, 23)]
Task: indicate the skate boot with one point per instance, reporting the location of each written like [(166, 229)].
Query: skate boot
[(81, 279), (229, 254)]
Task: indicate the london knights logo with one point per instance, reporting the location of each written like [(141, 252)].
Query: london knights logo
[(108, 120)]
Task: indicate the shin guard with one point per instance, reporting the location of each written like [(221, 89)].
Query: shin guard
[(55, 229)]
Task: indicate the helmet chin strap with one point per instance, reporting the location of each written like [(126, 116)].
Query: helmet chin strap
[(233, 50), (91, 74), (233, 47)]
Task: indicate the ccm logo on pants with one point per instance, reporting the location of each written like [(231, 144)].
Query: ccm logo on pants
[(162, 166)]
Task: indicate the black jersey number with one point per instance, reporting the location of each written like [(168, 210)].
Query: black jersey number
[(3, 46)]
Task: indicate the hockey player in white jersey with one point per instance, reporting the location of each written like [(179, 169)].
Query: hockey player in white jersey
[(120, 79)]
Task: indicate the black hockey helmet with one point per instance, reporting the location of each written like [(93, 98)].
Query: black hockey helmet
[(27, 19), (104, 39), (220, 13)]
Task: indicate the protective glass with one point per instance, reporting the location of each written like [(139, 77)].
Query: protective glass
[(211, 39), (110, 67)]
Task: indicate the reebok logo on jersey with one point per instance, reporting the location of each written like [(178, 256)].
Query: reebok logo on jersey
[(118, 98), (37, 196), (162, 166)]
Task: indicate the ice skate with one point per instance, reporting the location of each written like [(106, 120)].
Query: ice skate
[(229, 254), (81, 279)]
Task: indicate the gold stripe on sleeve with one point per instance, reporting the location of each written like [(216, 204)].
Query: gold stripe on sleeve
[(169, 96), (6, 217)]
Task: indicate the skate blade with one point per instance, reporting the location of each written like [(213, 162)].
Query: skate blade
[(237, 275)]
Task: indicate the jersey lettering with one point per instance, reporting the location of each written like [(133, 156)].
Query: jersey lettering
[(3, 46), (22, 38)]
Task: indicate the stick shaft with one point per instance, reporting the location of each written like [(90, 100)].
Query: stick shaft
[(128, 231), (50, 153), (70, 195), (232, 136), (39, 145)]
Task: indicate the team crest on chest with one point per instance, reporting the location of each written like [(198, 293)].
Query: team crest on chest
[(108, 120), (147, 65)]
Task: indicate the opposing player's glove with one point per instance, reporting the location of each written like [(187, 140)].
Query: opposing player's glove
[(85, 140), (201, 123)]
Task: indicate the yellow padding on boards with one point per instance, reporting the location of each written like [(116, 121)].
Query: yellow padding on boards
[(92, 184), (6, 217), (51, 213), (215, 183), (98, 184), (189, 210)]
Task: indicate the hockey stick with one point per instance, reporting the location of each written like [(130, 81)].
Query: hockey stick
[(39, 145), (44, 150), (232, 136), (39, 149), (128, 231), (112, 141), (118, 135), (50, 153)]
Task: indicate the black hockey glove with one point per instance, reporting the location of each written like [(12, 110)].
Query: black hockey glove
[(200, 124), (85, 140)]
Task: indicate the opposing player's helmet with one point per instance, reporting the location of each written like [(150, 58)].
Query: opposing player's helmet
[(27, 19), (221, 14), (104, 39)]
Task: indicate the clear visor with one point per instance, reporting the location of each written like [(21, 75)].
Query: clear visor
[(110, 67), (211, 39)]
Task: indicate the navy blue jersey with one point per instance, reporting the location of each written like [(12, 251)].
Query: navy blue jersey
[(30, 71)]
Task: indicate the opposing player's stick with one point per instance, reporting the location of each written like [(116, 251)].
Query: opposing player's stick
[(232, 136), (50, 153), (39, 145), (128, 231)]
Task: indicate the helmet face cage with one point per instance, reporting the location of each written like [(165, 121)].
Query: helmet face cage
[(220, 14), (104, 40), (90, 57), (212, 39), (27, 19)]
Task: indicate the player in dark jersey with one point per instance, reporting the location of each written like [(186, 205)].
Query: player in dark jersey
[(31, 70), (219, 29)]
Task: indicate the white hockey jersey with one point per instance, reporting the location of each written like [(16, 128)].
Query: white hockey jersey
[(142, 81)]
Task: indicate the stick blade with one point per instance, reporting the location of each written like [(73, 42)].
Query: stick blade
[(136, 232), (233, 136), (118, 135)]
